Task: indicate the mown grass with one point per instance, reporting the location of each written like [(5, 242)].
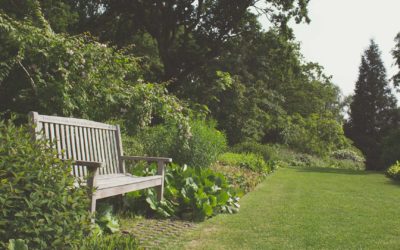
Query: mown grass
[(309, 209)]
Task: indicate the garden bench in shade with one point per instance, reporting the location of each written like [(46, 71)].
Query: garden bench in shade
[(96, 151)]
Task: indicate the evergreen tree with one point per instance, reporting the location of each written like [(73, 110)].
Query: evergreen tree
[(371, 112)]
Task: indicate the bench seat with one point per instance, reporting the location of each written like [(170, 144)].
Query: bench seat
[(109, 185)]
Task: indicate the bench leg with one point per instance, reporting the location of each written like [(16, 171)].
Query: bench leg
[(160, 171), (93, 205), (160, 192), (92, 209)]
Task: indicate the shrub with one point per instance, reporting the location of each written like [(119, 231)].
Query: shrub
[(190, 193), (242, 179), (266, 151), (204, 146), (110, 242), (348, 154), (245, 160), (394, 171), (317, 134), (39, 202)]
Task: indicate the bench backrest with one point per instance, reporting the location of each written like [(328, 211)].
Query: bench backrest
[(83, 140)]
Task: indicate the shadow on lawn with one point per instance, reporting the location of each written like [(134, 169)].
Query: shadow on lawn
[(392, 182), (337, 171)]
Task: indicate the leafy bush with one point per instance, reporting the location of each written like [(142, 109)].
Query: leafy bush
[(242, 179), (190, 193), (245, 160), (394, 171), (348, 154), (316, 134), (39, 202), (266, 151), (283, 156), (204, 146), (110, 242)]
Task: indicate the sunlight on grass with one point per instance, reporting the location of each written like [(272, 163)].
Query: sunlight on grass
[(310, 208)]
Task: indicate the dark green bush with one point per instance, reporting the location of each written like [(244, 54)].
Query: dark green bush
[(204, 146), (391, 148), (394, 171), (38, 200), (246, 160)]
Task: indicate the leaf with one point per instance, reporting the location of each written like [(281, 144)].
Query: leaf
[(17, 244), (151, 203)]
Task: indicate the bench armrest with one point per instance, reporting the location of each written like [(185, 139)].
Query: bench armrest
[(91, 165), (145, 158)]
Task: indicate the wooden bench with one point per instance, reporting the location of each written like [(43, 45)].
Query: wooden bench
[(97, 154)]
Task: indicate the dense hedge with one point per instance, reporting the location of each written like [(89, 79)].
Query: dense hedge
[(38, 200)]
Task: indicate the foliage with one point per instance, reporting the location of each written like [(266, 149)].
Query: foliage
[(396, 56), (77, 76), (203, 148), (190, 193), (371, 112), (315, 134), (348, 154), (39, 201), (242, 179), (245, 160), (193, 32), (390, 148), (105, 219), (283, 156), (267, 151), (394, 171), (17, 245), (110, 242)]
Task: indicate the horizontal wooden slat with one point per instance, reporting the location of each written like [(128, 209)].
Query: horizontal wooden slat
[(75, 122), (136, 183), (145, 158)]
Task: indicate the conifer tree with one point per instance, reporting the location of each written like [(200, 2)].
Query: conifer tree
[(371, 112)]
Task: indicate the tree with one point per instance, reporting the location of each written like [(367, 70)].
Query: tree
[(371, 112), (396, 56)]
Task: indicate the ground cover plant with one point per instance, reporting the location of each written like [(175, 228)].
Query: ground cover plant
[(309, 208), (190, 193)]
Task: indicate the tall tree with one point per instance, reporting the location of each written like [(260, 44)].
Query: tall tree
[(396, 56), (371, 112)]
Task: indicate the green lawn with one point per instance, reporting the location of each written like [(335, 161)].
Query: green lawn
[(310, 209)]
